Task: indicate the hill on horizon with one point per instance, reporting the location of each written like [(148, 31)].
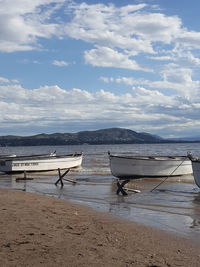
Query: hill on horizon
[(103, 136)]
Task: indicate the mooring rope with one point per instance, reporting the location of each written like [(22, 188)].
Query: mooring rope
[(168, 175)]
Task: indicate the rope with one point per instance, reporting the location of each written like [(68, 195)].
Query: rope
[(168, 175)]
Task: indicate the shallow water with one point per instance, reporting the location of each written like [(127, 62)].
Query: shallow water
[(173, 206)]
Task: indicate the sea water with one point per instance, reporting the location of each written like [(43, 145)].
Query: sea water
[(173, 206)]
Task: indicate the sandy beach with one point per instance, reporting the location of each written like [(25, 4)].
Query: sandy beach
[(44, 231)]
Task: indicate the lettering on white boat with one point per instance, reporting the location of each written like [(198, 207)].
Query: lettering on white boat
[(25, 164)]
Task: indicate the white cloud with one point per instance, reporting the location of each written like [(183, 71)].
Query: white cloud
[(107, 57), (103, 25), (5, 80), (142, 108), (180, 76), (22, 22), (132, 30), (127, 31), (188, 59), (60, 63), (125, 80), (23, 6), (179, 56), (130, 27), (188, 39), (118, 37), (173, 78), (153, 26), (162, 58)]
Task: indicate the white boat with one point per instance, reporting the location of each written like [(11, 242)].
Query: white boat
[(134, 167), (40, 162), (196, 171), (7, 156), (196, 168)]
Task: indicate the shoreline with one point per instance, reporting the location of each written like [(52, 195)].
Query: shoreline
[(39, 230)]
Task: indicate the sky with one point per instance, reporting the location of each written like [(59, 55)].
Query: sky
[(70, 66)]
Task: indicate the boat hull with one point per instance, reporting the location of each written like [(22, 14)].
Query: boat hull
[(136, 167), (196, 172), (40, 163)]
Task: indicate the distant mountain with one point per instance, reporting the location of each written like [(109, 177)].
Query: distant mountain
[(104, 136), (187, 139)]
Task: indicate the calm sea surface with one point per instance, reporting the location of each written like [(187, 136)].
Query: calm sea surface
[(174, 206)]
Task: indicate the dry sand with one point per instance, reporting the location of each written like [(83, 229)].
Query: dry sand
[(43, 231)]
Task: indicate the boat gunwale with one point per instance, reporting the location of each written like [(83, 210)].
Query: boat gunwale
[(41, 157), (152, 158)]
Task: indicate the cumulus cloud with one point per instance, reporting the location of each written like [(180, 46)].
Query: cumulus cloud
[(107, 57), (179, 81), (142, 108)]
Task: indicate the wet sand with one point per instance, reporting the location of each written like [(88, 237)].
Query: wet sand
[(44, 231)]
